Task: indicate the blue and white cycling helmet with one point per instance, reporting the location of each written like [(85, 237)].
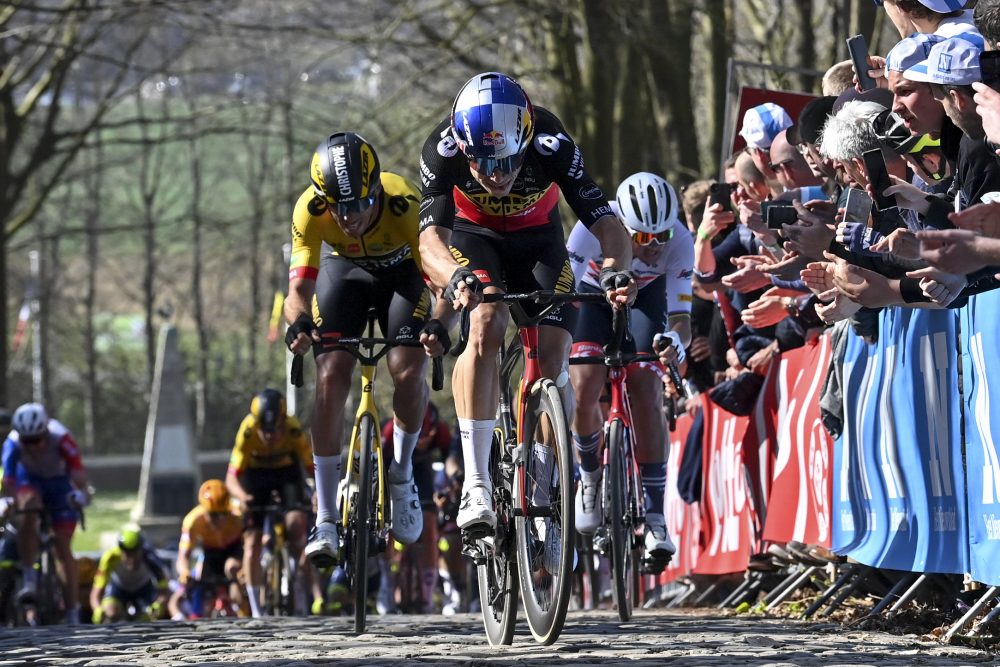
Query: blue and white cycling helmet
[(30, 420), (492, 121)]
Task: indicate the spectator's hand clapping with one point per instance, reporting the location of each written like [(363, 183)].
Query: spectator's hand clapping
[(862, 286), (818, 277), (950, 250), (811, 235), (840, 308), (788, 268)]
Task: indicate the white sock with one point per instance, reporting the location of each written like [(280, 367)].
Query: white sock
[(327, 482), (253, 597), (477, 438), (403, 444)]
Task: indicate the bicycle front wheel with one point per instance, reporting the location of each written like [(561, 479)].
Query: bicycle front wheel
[(621, 532), (496, 565), (365, 497), (546, 527)]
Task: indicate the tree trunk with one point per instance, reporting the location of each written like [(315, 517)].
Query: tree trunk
[(600, 71), (92, 391)]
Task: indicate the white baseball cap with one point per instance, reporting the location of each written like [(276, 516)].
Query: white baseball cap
[(762, 123), (954, 62)]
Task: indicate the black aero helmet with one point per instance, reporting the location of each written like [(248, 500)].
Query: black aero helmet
[(268, 407), (345, 172)]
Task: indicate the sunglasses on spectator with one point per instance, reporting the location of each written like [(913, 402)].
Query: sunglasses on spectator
[(505, 165), (647, 238), (777, 166)]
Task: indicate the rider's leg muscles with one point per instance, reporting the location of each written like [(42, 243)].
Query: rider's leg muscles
[(27, 534), (645, 395), (588, 384), (333, 383), (408, 366), (232, 570), (252, 539), (68, 574), (476, 391)]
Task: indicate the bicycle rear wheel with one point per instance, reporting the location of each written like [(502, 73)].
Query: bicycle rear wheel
[(546, 530), (621, 529), (365, 497), (496, 564)]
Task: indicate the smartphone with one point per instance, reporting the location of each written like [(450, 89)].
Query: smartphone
[(878, 178), (858, 207), (720, 193), (858, 49), (778, 213), (989, 68)]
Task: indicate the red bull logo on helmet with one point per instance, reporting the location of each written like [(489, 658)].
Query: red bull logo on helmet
[(494, 138)]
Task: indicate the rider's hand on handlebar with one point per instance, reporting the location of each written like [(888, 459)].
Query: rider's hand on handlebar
[(77, 498), (435, 339), (619, 286), (6, 504), (668, 346), (300, 334), (464, 290)]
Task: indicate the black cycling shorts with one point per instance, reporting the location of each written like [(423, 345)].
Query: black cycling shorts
[(214, 564), (649, 317), (263, 483), (345, 292), (524, 261)]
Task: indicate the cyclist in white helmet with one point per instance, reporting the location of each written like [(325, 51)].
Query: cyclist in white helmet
[(662, 262)]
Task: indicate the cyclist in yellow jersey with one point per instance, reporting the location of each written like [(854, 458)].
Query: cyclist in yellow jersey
[(218, 530), (266, 467), (369, 219)]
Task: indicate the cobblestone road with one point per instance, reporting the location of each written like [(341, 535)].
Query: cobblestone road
[(651, 638)]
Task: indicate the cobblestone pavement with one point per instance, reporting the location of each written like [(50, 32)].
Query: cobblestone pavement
[(651, 638)]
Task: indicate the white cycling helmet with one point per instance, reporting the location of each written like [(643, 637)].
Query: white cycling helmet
[(30, 420), (648, 204)]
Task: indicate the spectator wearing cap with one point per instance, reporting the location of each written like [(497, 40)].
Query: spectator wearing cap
[(805, 135), (761, 124), (912, 100), (946, 18)]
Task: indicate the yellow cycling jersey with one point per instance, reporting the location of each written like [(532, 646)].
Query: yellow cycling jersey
[(211, 531), (250, 450), (390, 241)]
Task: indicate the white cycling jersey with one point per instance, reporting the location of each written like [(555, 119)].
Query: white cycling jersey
[(676, 263)]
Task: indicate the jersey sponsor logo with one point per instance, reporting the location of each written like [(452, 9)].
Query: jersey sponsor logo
[(483, 275), (404, 331), (398, 204), (512, 204), (495, 138), (340, 170), (426, 175), (566, 281), (548, 144), (425, 222), (591, 192), (576, 257), (316, 206), (685, 274), (459, 257), (600, 212), (447, 147), (576, 166)]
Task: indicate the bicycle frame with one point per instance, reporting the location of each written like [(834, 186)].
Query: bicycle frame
[(367, 405)]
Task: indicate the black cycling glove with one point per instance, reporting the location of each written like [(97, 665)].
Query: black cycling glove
[(302, 324), (612, 278), (433, 327), (462, 275)]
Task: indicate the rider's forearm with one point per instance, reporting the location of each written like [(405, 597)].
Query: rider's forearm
[(616, 246), (435, 256), (681, 325), (79, 479), (299, 299)]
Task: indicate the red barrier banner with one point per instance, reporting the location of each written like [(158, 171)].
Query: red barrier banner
[(683, 520), (726, 516), (758, 453), (803, 471)]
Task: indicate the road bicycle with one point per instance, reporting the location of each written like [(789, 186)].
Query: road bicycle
[(281, 569), (620, 535), (48, 605), (364, 523), (533, 498)]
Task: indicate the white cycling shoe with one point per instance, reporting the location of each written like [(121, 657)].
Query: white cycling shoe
[(407, 517), (476, 509), (588, 507), (658, 544), (323, 546)]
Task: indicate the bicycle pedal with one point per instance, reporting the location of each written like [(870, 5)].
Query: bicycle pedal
[(655, 566)]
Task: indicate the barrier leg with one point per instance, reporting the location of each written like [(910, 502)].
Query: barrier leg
[(794, 586), (785, 583), (906, 581), (733, 598), (676, 602), (848, 571), (708, 591), (986, 620), (908, 595), (971, 614), (862, 575)]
